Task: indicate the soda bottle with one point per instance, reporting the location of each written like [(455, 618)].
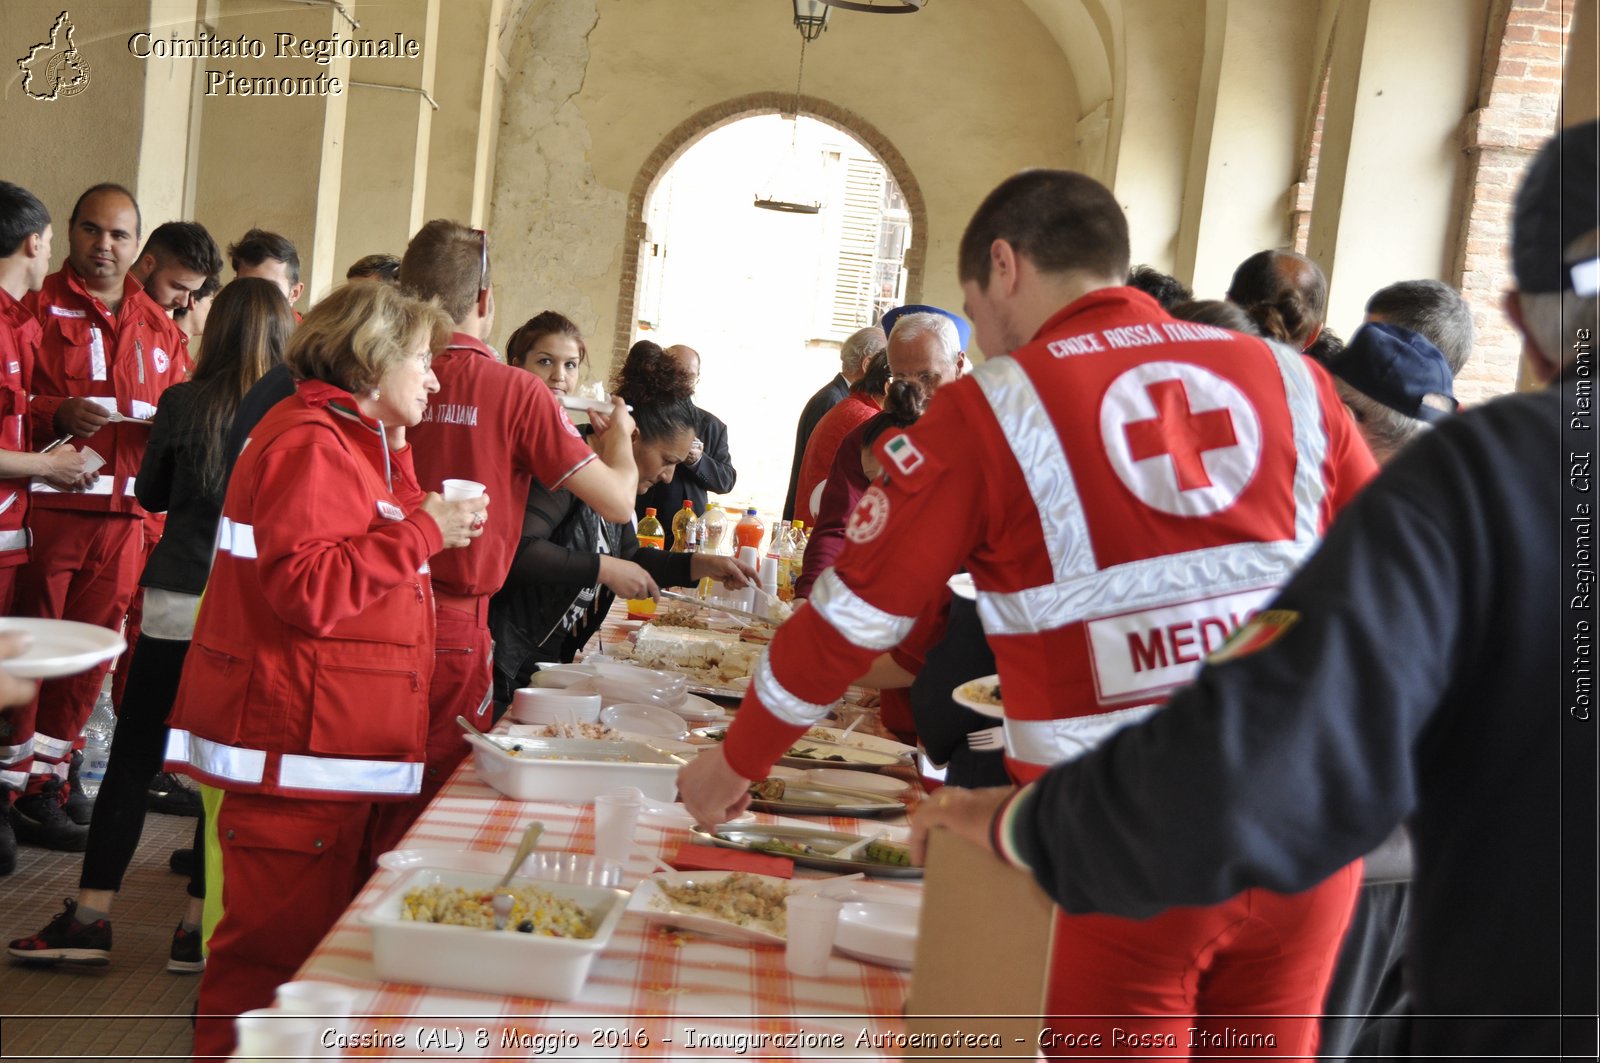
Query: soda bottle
[(788, 563), (780, 535), (680, 527), (651, 536), (716, 525), (749, 531), (97, 742)]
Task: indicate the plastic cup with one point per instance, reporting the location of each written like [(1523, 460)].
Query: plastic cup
[(461, 490), (329, 1004), (271, 1033), (813, 922), (616, 816)]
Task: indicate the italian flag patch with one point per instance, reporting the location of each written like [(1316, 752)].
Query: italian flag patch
[(1259, 632), (904, 454)]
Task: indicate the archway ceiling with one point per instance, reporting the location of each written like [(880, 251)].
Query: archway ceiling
[(1086, 31)]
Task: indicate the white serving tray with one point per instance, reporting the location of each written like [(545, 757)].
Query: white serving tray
[(505, 963)]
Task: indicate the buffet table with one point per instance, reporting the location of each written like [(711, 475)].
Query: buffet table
[(654, 993)]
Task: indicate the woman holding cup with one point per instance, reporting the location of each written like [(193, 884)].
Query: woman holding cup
[(571, 565), (304, 697)]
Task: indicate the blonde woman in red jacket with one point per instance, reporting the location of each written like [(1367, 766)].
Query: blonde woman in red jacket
[(305, 696)]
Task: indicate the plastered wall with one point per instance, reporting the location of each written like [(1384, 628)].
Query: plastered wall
[(595, 86)]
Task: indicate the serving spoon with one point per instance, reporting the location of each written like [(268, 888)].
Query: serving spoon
[(503, 900)]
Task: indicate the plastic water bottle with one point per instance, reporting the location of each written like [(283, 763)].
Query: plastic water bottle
[(97, 744)]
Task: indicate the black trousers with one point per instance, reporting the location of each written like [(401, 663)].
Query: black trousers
[(137, 750)]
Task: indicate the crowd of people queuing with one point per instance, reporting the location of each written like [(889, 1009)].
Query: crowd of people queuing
[(1134, 483)]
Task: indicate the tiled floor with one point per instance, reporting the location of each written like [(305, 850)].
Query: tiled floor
[(131, 1008)]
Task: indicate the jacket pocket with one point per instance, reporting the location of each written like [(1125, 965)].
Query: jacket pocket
[(367, 708), (77, 348), (215, 690)]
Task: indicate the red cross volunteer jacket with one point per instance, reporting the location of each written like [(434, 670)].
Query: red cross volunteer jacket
[(124, 362), (308, 674), (1125, 490), (19, 344)]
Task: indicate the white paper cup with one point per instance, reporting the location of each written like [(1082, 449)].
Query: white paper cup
[(536, 705), (328, 1004), (616, 816), (461, 490), (813, 922), (271, 1033)]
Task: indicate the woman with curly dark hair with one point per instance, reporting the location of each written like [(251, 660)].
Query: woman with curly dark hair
[(571, 564)]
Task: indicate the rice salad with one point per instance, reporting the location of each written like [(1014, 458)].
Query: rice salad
[(533, 910)]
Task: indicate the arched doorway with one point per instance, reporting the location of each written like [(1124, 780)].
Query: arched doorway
[(765, 297)]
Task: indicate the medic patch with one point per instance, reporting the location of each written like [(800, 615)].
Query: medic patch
[(567, 425), (1259, 632), (159, 357), (871, 514), (390, 510), (13, 368)]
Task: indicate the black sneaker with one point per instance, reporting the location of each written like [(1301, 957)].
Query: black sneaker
[(79, 805), (39, 819), (186, 957), (183, 862), (8, 838), (168, 794), (65, 939)]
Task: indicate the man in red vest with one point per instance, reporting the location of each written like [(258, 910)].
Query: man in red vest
[(109, 349)]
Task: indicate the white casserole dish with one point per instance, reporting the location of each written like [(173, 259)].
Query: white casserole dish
[(574, 770), (503, 962)]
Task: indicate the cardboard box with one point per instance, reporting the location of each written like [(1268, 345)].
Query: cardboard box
[(983, 955)]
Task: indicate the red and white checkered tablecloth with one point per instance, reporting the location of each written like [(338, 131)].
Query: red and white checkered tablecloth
[(687, 995)]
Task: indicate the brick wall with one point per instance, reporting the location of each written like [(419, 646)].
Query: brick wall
[(1304, 193), (1517, 112), (698, 125)]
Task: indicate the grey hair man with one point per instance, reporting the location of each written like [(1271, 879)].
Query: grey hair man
[(925, 346), (853, 355), (1431, 308)]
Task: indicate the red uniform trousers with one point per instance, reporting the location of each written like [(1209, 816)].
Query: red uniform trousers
[(290, 868), (462, 684), (13, 764), (1242, 979), (85, 567)]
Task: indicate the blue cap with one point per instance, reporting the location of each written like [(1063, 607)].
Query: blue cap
[(963, 330), (1396, 367)]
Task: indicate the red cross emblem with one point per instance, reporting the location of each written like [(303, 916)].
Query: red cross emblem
[(1183, 439), (1179, 433), (871, 514)]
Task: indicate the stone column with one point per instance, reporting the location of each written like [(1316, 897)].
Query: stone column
[(468, 80), (274, 133), (387, 134), (1390, 177)]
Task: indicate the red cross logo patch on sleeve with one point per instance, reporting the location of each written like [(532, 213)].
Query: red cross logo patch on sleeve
[(871, 514), (1184, 440)]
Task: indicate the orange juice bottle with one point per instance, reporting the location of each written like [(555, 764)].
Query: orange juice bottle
[(650, 535), (680, 527), (749, 531)]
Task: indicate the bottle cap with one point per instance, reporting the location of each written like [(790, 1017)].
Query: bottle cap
[(750, 512), (688, 503), (649, 511)]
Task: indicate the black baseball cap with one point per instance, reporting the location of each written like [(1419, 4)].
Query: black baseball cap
[(1397, 367), (1559, 201)]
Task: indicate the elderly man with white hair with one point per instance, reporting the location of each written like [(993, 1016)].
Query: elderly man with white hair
[(926, 344), (853, 355)]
